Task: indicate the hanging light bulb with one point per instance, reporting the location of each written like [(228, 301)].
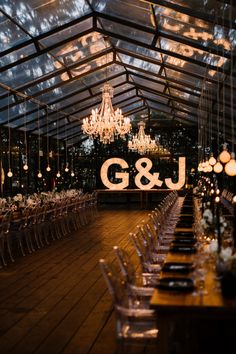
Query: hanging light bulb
[(48, 169), (212, 160), (224, 155), (218, 168), (66, 169), (234, 199), (72, 174), (9, 173), (207, 163), (209, 168), (40, 174), (58, 174), (25, 167), (200, 167), (230, 167)]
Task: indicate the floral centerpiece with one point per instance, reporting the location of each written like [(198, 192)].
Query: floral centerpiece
[(223, 250), (209, 224)]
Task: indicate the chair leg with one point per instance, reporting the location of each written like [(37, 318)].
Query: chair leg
[(9, 248)]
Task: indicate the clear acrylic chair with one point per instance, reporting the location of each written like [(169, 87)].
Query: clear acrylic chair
[(135, 322), (150, 262), (140, 284)]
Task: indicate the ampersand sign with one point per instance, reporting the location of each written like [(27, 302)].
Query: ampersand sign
[(144, 171)]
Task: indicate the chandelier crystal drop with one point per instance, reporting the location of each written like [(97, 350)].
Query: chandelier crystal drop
[(141, 142), (105, 122)]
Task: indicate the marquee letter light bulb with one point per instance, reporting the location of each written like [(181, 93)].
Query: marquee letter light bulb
[(124, 176)]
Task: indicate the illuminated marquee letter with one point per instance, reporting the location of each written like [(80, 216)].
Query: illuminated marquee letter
[(181, 181), (123, 175), (144, 171)]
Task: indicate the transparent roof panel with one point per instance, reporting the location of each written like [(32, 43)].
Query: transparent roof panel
[(102, 74), (187, 89), (147, 83), (155, 97), (113, 82), (127, 31), (17, 55), (10, 34), (67, 33), (34, 126), (184, 107), (28, 71), (119, 98), (147, 75), (191, 52), (7, 100), (130, 47), (139, 63), (159, 106), (81, 105), (183, 78), (127, 103), (38, 16), (194, 29), (15, 111), (75, 140), (133, 106), (80, 48), (183, 95), (73, 99), (206, 6), (77, 71), (132, 10)]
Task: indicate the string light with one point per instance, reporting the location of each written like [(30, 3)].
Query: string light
[(9, 173), (48, 168), (25, 166), (39, 147)]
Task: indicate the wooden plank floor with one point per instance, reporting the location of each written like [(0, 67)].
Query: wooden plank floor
[(56, 301)]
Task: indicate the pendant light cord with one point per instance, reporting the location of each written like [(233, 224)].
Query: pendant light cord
[(47, 135), (25, 136), (231, 78), (39, 146), (9, 131)]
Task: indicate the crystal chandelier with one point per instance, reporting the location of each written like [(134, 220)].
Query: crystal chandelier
[(141, 142), (105, 122)]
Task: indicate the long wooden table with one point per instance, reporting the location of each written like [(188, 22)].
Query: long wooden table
[(195, 324)]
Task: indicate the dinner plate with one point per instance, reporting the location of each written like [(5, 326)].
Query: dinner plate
[(184, 225), (178, 267), (175, 284), (182, 249), (184, 234), (181, 241)]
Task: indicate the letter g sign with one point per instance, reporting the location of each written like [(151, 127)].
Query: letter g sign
[(123, 175)]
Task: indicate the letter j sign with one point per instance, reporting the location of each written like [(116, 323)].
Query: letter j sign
[(143, 166)]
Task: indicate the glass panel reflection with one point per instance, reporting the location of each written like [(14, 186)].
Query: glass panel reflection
[(128, 9), (38, 16)]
